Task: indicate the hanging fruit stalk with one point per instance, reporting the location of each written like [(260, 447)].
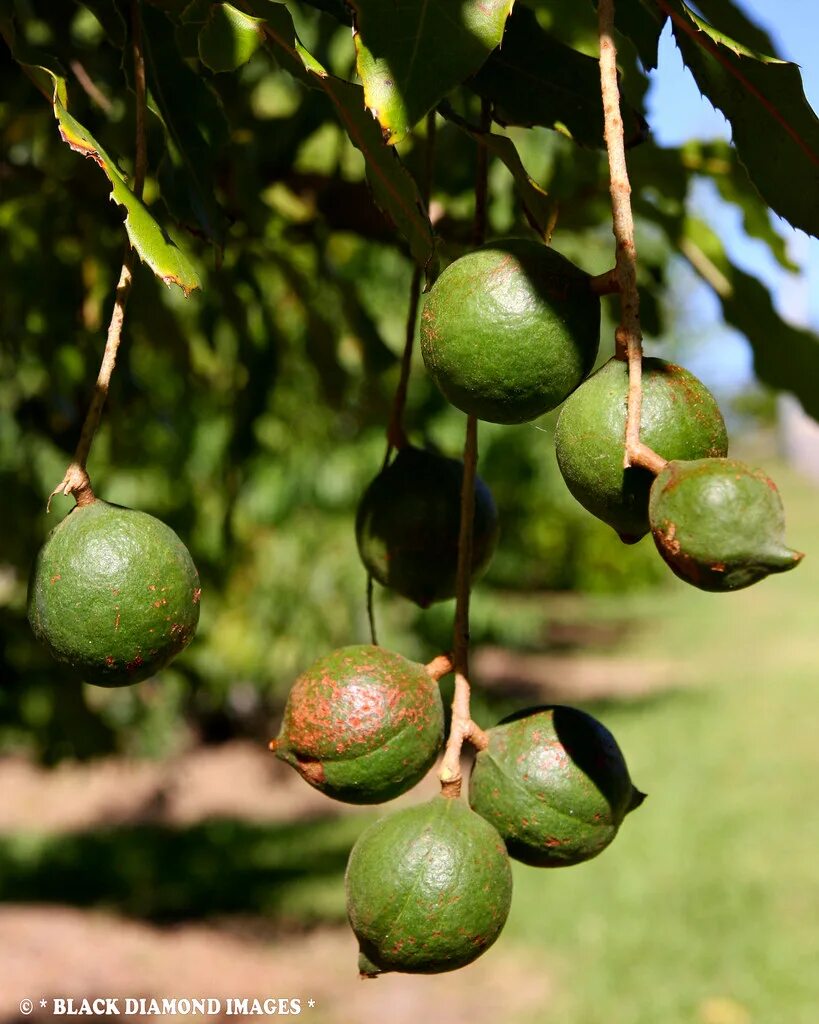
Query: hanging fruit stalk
[(461, 726), (76, 481), (628, 336)]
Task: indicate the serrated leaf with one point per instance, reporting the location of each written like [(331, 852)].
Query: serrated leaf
[(229, 38), (533, 79), (150, 242), (775, 131), (394, 189), (735, 23), (785, 357), (196, 131), (411, 53)]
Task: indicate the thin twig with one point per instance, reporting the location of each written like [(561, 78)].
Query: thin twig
[(482, 178), (371, 609), (628, 336), (91, 88), (76, 480), (396, 434)]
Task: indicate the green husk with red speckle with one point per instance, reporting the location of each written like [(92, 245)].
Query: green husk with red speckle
[(362, 724), (555, 785), (428, 889), (718, 524), (113, 593)]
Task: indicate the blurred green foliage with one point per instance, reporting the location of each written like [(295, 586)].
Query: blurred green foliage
[(251, 416)]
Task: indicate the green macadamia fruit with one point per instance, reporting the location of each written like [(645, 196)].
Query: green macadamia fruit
[(113, 593), (363, 724), (719, 524), (680, 419), (509, 330), (555, 785), (428, 889)]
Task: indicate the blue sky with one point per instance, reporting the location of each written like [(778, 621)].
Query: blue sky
[(678, 112)]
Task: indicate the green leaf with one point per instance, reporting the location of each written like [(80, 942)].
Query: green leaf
[(785, 357), (533, 79), (229, 38), (643, 23), (537, 205), (195, 128), (664, 176), (150, 242), (411, 53), (394, 189), (735, 23), (718, 160), (775, 131)]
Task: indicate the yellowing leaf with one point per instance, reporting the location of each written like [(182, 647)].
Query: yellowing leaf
[(149, 240)]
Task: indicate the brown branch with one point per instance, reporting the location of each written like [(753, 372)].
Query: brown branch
[(76, 480), (628, 336), (439, 667), (641, 455)]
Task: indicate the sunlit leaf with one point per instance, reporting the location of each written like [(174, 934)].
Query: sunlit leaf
[(229, 38), (411, 53), (150, 242), (736, 24)]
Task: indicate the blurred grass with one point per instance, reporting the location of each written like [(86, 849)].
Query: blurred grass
[(705, 907), (703, 911), (289, 872)]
